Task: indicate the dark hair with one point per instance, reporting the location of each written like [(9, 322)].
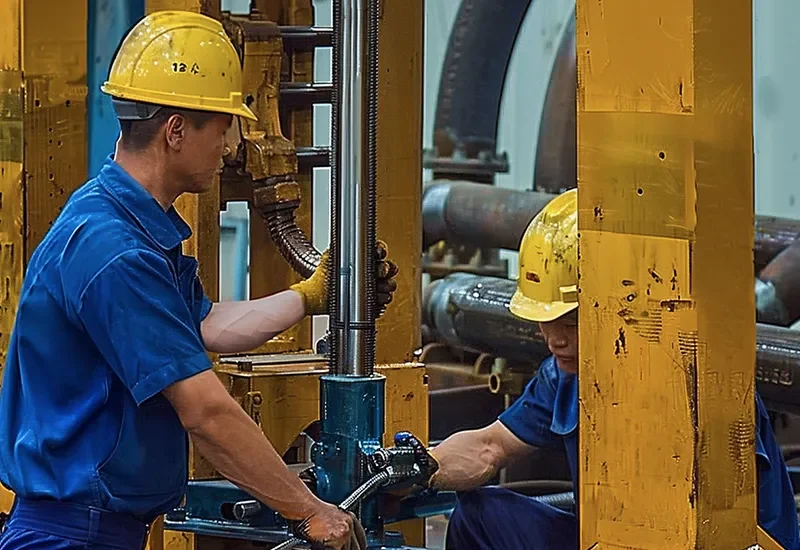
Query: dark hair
[(138, 134)]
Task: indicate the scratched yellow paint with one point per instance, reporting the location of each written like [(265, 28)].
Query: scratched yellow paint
[(667, 334)]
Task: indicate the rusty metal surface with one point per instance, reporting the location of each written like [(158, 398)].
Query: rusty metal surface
[(777, 348), (472, 312), (477, 214), (493, 217), (783, 272), (773, 235)]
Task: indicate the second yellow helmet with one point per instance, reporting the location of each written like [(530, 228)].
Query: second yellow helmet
[(179, 59), (547, 287)]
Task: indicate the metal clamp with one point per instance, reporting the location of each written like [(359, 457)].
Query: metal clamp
[(407, 461)]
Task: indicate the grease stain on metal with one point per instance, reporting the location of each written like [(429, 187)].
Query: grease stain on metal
[(656, 277), (620, 345)]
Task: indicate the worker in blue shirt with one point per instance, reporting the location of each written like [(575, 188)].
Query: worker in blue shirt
[(107, 367), (546, 415)]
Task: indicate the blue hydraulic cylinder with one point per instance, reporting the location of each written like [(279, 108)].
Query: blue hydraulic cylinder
[(352, 413)]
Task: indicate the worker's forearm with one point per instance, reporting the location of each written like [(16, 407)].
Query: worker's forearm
[(234, 327), (466, 460), (237, 448)]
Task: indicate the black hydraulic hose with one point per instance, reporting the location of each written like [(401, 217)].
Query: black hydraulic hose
[(564, 501), (278, 211)]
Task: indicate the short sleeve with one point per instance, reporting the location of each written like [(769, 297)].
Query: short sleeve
[(135, 313), (192, 289), (531, 415)]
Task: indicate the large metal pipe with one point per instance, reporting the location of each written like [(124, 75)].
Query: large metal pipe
[(463, 212), (777, 291), (556, 167), (778, 368), (773, 235), (353, 199), (471, 312), (479, 215), (471, 89)]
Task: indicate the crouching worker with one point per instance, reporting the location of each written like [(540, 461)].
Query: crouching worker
[(546, 415)]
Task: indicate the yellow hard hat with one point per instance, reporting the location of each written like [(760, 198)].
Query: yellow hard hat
[(179, 59), (547, 287)]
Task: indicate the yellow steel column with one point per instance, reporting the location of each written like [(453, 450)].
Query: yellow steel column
[(666, 306), (399, 171), (399, 215)]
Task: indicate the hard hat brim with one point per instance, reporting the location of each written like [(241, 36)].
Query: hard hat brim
[(536, 311), (171, 100)]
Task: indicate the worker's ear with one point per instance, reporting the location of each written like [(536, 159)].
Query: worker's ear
[(233, 139), (175, 131)]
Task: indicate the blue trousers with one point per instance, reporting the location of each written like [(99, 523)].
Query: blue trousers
[(40, 525), (491, 518)]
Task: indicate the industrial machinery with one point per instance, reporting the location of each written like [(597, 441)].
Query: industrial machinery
[(465, 315), (368, 384), (334, 411)]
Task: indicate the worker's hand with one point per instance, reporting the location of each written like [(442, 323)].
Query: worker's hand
[(331, 527), (314, 290), (426, 461), (385, 272), (358, 538)]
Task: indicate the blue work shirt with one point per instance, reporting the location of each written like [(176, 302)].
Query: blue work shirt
[(108, 317), (546, 415)]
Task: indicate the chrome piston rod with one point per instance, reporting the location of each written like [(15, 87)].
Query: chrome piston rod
[(353, 200)]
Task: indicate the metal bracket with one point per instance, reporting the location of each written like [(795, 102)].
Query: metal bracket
[(252, 404)]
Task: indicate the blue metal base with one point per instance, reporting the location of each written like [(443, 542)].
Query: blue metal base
[(209, 505), (352, 429)]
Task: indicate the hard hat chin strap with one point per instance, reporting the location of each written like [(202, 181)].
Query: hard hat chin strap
[(134, 110)]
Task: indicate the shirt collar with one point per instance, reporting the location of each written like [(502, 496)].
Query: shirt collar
[(167, 228), (565, 404)]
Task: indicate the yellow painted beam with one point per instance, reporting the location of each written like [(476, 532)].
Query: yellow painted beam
[(399, 172), (399, 215), (667, 329)]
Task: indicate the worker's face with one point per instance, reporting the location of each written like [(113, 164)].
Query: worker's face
[(199, 158), (561, 336)]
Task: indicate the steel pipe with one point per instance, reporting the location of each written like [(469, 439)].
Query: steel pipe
[(476, 214), (471, 89), (556, 167), (492, 217), (471, 312), (354, 193), (778, 368)]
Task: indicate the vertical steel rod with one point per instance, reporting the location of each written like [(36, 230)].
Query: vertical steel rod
[(353, 320)]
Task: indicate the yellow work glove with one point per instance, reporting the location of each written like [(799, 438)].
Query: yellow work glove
[(314, 290)]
